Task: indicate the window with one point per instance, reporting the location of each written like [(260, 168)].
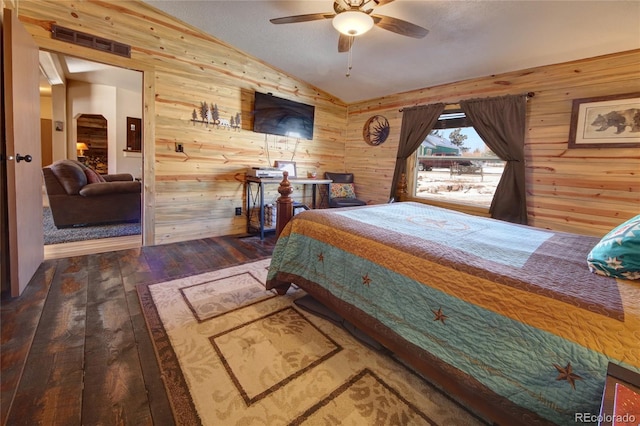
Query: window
[(453, 165)]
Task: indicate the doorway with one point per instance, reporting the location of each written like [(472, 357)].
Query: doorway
[(88, 104), (92, 142)]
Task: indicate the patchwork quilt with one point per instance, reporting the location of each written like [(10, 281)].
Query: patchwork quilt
[(510, 308)]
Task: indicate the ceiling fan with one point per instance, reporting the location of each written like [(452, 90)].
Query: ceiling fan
[(352, 18)]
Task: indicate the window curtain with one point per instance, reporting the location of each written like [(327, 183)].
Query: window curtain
[(500, 122), (417, 122)]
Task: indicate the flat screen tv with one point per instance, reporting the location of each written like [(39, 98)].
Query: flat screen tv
[(278, 116)]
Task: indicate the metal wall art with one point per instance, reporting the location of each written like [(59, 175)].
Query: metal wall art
[(376, 130), (210, 115)]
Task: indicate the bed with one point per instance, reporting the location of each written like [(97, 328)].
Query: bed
[(506, 318)]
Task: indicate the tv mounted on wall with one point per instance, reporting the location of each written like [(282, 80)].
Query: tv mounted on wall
[(278, 116)]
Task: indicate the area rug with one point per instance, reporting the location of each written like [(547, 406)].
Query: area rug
[(233, 353), (53, 235)]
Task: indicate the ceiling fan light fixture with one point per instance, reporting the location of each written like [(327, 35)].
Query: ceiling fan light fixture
[(352, 22)]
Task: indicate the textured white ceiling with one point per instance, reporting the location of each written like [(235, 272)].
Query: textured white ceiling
[(467, 39)]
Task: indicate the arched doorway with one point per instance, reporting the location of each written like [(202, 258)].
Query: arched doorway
[(91, 130)]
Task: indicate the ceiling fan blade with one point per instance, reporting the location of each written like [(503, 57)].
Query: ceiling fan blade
[(399, 26), (382, 2), (345, 42), (301, 18)]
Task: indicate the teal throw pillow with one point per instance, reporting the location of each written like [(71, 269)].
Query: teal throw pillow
[(618, 253)]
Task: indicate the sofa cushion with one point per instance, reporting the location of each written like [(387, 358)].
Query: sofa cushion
[(70, 175), (93, 176), (117, 176), (104, 188)]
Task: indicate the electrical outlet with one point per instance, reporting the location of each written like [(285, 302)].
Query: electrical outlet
[(238, 211), (179, 147)]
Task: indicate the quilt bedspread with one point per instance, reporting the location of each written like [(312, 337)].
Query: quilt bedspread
[(513, 307)]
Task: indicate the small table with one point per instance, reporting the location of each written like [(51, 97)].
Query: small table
[(261, 182), (617, 375)]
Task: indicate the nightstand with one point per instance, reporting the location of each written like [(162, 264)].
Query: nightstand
[(617, 375)]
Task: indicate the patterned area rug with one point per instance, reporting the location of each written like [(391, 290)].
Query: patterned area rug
[(233, 353)]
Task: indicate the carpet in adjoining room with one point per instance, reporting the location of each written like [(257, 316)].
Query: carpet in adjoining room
[(233, 353), (53, 235)]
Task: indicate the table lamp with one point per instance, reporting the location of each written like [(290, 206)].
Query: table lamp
[(81, 146)]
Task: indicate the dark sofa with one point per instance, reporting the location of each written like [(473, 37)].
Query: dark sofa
[(79, 196)]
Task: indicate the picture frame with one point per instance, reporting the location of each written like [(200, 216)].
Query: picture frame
[(288, 166), (606, 122)]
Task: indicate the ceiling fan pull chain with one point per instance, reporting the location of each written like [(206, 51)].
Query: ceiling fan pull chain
[(350, 56)]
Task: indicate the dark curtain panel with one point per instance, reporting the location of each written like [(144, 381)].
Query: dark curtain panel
[(500, 122), (417, 122)]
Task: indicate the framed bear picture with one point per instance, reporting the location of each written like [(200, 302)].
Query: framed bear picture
[(606, 122)]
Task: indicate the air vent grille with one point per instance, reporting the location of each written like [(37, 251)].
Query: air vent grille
[(90, 41)]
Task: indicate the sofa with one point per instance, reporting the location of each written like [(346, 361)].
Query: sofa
[(79, 196)]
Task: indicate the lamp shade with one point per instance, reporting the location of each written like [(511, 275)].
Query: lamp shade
[(352, 22), (81, 146)]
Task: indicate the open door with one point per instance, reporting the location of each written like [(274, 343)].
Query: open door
[(23, 160)]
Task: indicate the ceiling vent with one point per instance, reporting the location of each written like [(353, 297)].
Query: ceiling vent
[(90, 41)]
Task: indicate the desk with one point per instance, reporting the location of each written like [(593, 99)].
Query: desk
[(257, 199)]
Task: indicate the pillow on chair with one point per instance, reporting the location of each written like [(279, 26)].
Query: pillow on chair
[(93, 176), (342, 190)]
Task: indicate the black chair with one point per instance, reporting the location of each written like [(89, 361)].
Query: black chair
[(298, 205), (342, 190)]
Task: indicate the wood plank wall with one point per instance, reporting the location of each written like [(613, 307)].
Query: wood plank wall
[(194, 193), (587, 191)]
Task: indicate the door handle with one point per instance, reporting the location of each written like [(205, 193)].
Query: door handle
[(26, 158)]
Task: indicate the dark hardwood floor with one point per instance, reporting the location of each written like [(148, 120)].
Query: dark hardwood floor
[(75, 348)]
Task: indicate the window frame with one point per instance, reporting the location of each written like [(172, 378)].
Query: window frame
[(412, 167)]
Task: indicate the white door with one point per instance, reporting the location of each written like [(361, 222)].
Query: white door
[(24, 175)]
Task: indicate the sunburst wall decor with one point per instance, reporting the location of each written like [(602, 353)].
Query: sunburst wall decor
[(376, 130)]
